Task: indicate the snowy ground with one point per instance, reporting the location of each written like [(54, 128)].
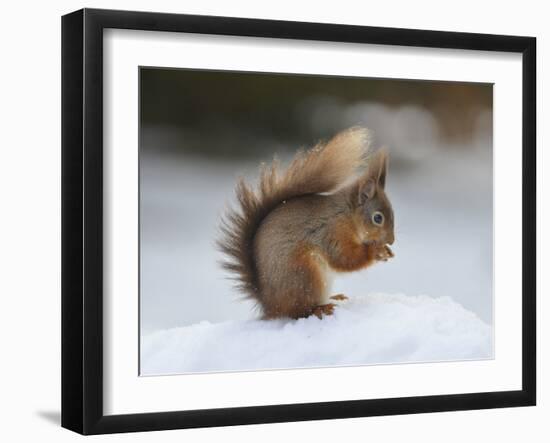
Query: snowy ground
[(378, 328)]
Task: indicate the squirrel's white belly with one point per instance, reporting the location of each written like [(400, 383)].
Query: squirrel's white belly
[(328, 277)]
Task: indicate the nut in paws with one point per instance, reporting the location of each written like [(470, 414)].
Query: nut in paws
[(384, 253)]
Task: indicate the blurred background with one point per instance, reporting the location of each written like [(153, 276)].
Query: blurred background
[(200, 130)]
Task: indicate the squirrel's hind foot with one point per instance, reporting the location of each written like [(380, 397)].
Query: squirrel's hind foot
[(321, 310)]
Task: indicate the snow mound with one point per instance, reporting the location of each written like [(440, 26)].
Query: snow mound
[(373, 329)]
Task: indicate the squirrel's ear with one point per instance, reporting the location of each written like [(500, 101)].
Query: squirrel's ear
[(374, 177), (378, 167), (366, 189)]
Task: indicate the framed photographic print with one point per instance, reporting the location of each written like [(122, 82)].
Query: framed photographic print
[(269, 221)]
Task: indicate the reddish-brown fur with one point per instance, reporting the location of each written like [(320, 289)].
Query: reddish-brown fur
[(305, 223)]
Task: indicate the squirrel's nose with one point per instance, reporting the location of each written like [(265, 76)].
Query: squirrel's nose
[(390, 239)]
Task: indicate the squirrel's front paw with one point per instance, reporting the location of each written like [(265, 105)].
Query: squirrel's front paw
[(384, 253)]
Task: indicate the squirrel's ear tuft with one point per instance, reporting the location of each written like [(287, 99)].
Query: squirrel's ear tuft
[(384, 168)]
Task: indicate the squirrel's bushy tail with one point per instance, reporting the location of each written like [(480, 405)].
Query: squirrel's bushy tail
[(323, 168)]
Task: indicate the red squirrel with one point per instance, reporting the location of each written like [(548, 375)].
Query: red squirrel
[(308, 221)]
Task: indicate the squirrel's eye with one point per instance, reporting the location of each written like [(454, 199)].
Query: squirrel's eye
[(378, 218)]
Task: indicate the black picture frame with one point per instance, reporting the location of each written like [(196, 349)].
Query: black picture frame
[(82, 220)]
